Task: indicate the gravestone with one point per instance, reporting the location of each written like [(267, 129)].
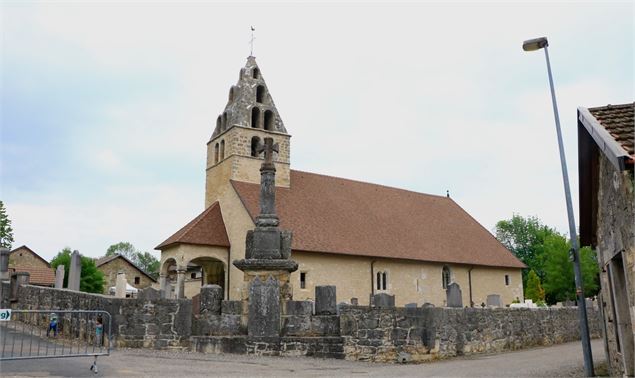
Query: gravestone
[(354, 301), (211, 299), (149, 294), (120, 287), (383, 300), (75, 271), (410, 305), (454, 297), (4, 264), (427, 305), (59, 277), (325, 300), (264, 308), (494, 300)]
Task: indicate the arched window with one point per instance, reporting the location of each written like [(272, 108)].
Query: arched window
[(254, 146), (255, 117), (445, 276), (255, 73), (231, 94), (216, 153), (381, 281), (222, 149), (260, 93), (224, 125), (269, 120), (242, 73), (219, 122)]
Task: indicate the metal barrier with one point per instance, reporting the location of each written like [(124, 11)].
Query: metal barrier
[(31, 334)]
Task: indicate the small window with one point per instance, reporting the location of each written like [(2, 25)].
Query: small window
[(255, 117), (231, 94), (269, 120), (224, 123), (255, 73), (255, 141), (137, 280), (507, 280), (381, 281), (193, 275), (216, 153), (260, 94), (222, 149), (445, 277), (302, 280)]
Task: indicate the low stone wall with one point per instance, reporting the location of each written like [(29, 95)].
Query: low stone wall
[(149, 323), (420, 334)]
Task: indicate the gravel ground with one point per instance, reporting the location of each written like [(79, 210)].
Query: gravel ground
[(563, 360)]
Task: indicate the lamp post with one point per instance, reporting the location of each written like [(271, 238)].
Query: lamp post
[(532, 45)]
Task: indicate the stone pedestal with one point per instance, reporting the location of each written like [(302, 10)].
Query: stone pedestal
[(120, 287), (4, 264), (75, 271), (264, 308), (59, 277)]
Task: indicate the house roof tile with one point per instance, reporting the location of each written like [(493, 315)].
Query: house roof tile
[(619, 121), (37, 275), (208, 228), (335, 215)]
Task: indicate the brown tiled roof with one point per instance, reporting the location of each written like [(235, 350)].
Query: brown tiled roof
[(619, 121), (38, 276), (335, 215), (206, 229)]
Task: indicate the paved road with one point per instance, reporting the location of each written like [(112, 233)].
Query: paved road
[(561, 360)]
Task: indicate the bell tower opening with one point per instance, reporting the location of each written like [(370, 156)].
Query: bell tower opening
[(255, 117)]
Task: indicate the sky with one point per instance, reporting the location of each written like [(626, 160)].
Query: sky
[(106, 107)]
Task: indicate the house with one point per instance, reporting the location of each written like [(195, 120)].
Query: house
[(110, 266), (607, 221), (24, 259), (363, 238)]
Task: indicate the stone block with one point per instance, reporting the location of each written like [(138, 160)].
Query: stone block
[(494, 300), (75, 271), (427, 305), (453, 294), (325, 325), (410, 305), (232, 307), (211, 299), (383, 300), (354, 301), (149, 294), (325, 300), (299, 308), (59, 277), (264, 308)]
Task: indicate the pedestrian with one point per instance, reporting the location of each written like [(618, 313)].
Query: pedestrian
[(52, 325), (99, 330)]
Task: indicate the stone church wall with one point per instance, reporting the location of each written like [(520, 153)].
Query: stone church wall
[(393, 334), (421, 334), (136, 323)]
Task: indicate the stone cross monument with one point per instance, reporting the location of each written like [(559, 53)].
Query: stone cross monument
[(267, 265)]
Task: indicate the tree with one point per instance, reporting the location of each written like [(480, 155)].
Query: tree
[(91, 280), (122, 248), (6, 232), (559, 280), (148, 263), (525, 237), (534, 290), (144, 260)]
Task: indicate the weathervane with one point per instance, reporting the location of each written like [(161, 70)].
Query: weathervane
[(251, 42)]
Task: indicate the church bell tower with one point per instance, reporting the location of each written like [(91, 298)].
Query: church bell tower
[(249, 116)]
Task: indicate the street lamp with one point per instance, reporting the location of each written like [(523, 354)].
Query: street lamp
[(533, 45)]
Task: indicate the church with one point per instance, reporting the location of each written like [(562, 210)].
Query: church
[(363, 238)]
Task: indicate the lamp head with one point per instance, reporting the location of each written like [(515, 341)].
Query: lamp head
[(535, 44)]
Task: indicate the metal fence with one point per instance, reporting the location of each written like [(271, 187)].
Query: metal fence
[(31, 334)]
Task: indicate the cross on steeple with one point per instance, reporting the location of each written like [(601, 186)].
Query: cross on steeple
[(251, 42), (268, 148)]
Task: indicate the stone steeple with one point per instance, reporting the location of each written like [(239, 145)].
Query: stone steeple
[(250, 103), (249, 117)]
